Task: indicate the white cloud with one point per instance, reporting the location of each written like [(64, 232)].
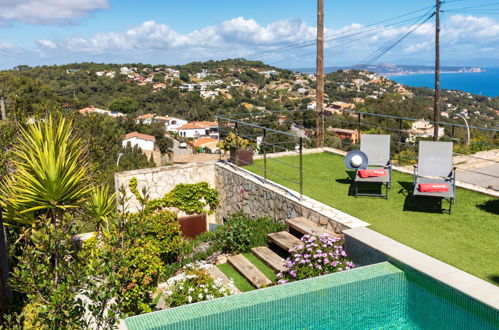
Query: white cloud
[(9, 49), (47, 44), (239, 37), (481, 30), (48, 12)]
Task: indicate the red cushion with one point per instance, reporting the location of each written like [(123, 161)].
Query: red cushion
[(371, 173), (433, 187)]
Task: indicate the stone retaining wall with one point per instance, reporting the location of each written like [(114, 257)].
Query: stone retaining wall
[(160, 180), (240, 190)]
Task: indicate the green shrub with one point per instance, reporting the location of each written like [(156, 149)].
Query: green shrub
[(240, 233), (406, 157), (190, 198), (162, 229), (194, 284)]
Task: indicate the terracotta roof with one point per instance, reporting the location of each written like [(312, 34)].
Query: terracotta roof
[(139, 136), (342, 130), (199, 124), (204, 140), (88, 110), (146, 116), (163, 118)]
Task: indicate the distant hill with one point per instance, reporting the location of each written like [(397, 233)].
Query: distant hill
[(393, 69)]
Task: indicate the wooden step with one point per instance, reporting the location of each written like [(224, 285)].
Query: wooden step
[(249, 271), (270, 258), (216, 273), (307, 227), (284, 240)]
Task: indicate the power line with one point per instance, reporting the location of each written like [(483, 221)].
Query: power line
[(394, 42), (362, 34), (312, 42)]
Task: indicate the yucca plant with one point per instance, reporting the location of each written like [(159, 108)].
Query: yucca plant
[(50, 173), (100, 206)]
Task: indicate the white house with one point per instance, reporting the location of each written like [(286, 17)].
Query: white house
[(125, 70), (198, 128), (143, 141), (145, 119), (424, 129), (93, 110), (171, 123), (209, 94)]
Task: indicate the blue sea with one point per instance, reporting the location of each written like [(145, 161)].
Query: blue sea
[(481, 83)]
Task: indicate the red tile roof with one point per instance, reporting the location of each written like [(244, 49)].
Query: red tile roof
[(139, 136), (203, 140), (199, 124), (146, 116)]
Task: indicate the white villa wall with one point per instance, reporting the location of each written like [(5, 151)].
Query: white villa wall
[(160, 180), (192, 133), (174, 123), (143, 144)]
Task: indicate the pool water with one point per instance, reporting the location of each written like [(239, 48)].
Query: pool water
[(379, 296)]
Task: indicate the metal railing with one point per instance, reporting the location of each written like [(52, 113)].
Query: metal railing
[(261, 140), (263, 124)]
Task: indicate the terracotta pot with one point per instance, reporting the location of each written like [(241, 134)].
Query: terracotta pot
[(193, 225), (244, 157)]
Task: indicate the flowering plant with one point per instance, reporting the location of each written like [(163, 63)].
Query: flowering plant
[(319, 255), (194, 284)]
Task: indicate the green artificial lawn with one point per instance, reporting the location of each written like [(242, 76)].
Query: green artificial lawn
[(467, 239), (266, 270), (240, 282)]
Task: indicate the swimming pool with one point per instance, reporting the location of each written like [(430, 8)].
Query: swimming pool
[(370, 297)]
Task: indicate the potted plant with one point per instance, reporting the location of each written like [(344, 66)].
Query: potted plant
[(240, 150)]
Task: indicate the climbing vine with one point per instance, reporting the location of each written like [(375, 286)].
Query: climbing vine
[(189, 198)]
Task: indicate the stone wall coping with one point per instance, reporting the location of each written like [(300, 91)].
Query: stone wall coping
[(321, 208), (164, 168), (473, 286)]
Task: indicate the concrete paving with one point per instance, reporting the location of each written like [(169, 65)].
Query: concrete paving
[(487, 177), (179, 152)]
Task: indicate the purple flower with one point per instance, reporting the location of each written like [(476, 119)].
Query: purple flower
[(292, 273), (318, 267), (326, 261), (343, 253), (282, 282), (279, 275), (334, 264), (340, 269), (302, 261)]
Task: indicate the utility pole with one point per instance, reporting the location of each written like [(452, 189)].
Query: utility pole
[(3, 113), (319, 86), (436, 107)]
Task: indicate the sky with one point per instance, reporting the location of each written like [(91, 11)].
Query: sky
[(277, 32)]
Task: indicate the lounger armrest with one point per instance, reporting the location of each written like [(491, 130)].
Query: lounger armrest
[(415, 173), (453, 175)]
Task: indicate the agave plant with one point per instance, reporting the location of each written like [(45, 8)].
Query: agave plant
[(50, 173), (100, 206)]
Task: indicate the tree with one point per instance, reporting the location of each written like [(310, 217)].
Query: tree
[(100, 206), (50, 173), (184, 76), (124, 104)]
